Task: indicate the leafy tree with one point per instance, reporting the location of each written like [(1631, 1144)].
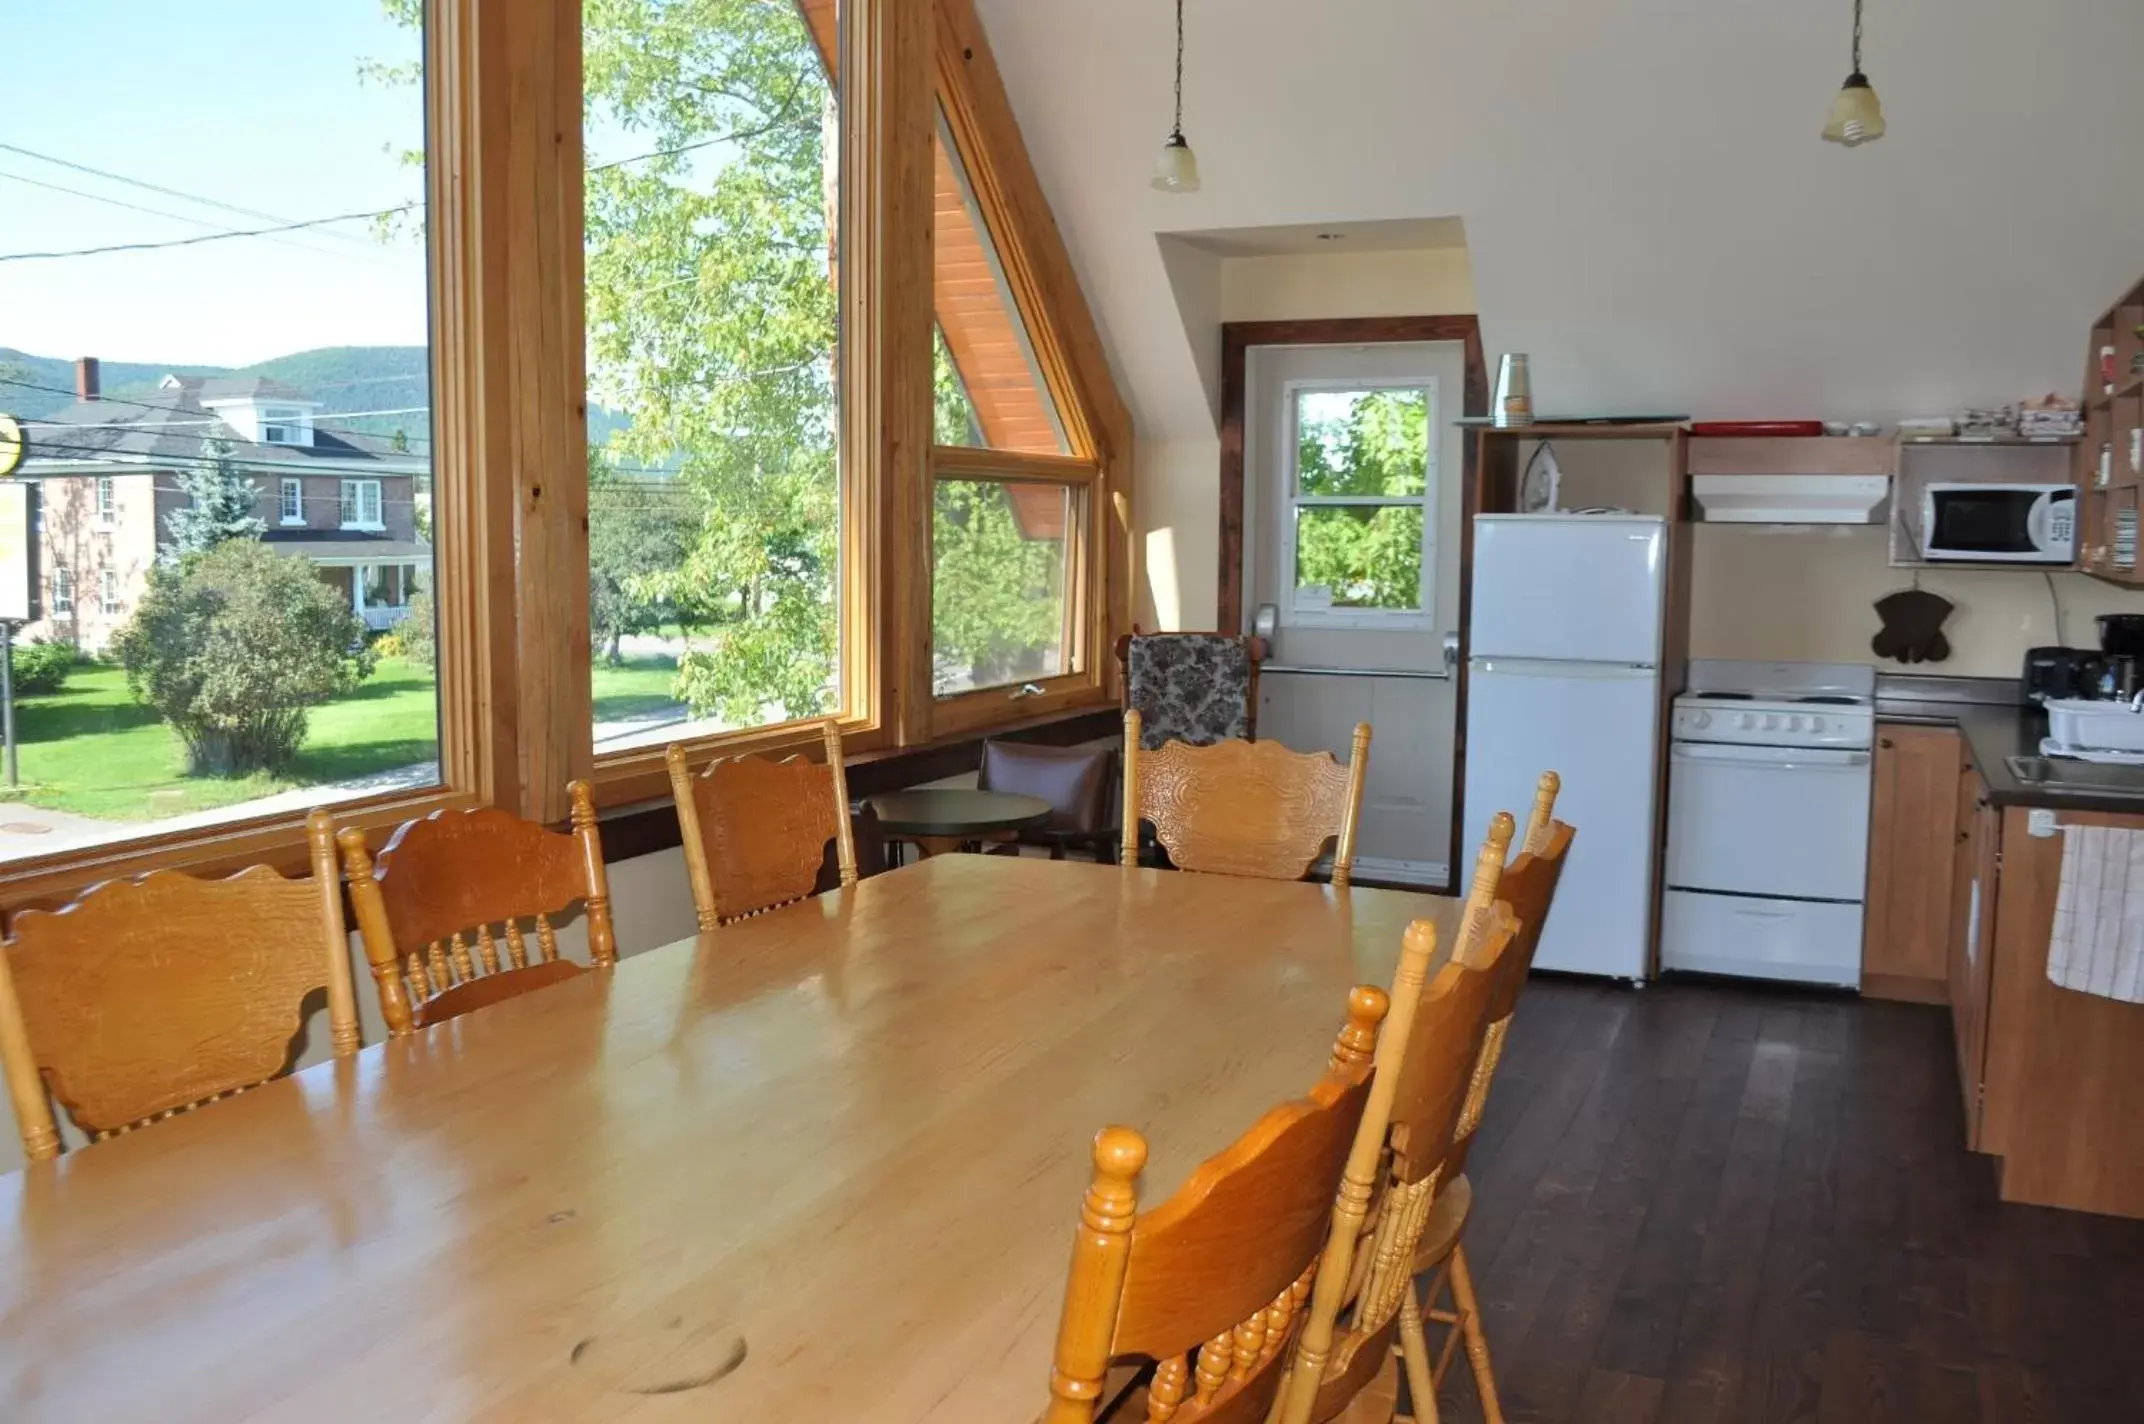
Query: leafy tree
[(231, 646), (639, 531), (1365, 444), (416, 636), (997, 594), (219, 505)]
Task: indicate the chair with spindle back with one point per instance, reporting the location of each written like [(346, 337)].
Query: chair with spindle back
[(1209, 1285), (1423, 1069), (1528, 886), (445, 880), (1244, 808), (756, 830), (150, 997)]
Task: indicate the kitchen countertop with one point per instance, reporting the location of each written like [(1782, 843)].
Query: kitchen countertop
[(1995, 725)]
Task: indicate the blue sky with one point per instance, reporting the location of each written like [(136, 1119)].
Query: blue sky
[(255, 103)]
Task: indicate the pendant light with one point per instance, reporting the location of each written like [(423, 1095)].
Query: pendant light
[(1856, 114), (1176, 170)]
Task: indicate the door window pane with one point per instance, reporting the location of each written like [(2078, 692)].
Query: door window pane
[(1000, 574), (1362, 442), (225, 666), (715, 527), (1359, 485), (1359, 557)]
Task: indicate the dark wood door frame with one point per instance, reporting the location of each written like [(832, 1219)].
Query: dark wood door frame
[(1237, 338)]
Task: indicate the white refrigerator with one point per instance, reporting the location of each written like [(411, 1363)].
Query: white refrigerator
[(1563, 674)]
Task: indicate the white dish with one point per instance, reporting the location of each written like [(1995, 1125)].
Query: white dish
[(2100, 726)]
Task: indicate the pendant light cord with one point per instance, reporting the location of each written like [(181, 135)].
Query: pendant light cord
[(1857, 41), (1178, 132)]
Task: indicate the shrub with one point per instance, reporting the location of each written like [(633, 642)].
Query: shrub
[(41, 666), (389, 645), (231, 646), (417, 635)]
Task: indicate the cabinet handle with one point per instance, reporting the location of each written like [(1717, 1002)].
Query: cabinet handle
[(1885, 743)]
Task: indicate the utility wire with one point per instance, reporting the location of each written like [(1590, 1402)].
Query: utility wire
[(175, 217)]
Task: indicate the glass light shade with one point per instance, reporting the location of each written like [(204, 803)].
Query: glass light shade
[(1176, 170), (1856, 114)]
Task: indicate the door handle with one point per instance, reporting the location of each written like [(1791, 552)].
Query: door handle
[(1451, 651)]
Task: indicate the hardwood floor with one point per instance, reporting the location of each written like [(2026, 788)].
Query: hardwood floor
[(1703, 1203)]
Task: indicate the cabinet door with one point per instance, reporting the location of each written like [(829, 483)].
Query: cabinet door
[(1912, 850), (1972, 939)]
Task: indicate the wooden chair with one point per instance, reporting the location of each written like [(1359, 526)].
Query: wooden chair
[(1244, 808), (1209, 1285), (440, 881), (755, 830), (1391, 1184), (1528, 886), (149, 997)]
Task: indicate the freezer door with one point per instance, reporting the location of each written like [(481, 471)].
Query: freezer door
[(1596, 726), (1568, 587)]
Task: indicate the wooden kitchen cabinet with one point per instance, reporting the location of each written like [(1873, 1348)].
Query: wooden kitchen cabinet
[(1913, 860), (1975, 865)]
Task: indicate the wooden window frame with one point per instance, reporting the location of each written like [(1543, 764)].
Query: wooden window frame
[(503, 98)]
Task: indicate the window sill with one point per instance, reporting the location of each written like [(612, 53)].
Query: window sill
[(363, 528), (298, 524)]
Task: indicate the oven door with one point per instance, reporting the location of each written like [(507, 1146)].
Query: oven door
[(1786, 822)]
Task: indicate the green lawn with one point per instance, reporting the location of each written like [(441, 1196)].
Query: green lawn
[(91, 749)]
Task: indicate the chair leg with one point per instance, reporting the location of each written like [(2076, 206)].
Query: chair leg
[(1469, 1304), (1414, 1354)]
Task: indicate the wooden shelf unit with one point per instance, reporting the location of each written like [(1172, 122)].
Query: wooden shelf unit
[(2108, 463)]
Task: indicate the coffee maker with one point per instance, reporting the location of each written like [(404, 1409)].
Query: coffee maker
[(2056, 674)]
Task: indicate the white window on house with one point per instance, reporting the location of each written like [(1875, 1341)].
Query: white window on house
[(1358, 525), (293, 502), (62, 592), (285, 425), (361, 505), (107, 592), (107, 501)]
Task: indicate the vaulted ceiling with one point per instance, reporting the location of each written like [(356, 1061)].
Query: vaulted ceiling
[(1647, 207)]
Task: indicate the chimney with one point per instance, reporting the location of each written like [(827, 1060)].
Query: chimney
[(88, 378)]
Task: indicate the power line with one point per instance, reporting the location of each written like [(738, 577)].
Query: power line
[(110, 176), (211, 236), (162, 213)]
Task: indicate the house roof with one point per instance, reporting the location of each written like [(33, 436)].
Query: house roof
[(172, 423), (323, 545)]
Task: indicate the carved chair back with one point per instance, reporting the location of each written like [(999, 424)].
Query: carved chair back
[(1244, 808), (427, 904), (1528, 886), (147, 997), (1211, 1283), (755, 830)]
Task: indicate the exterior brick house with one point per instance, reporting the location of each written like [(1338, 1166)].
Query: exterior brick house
[(105, 474)]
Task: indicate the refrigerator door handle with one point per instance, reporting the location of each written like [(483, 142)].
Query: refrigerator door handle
[(1549, 667)]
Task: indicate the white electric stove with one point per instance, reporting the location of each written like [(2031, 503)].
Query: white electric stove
[(1768, 820)]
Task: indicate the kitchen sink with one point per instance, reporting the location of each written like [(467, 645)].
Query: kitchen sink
[(2067, 774)]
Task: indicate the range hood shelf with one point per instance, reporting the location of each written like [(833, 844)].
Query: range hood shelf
[(1790, 498)]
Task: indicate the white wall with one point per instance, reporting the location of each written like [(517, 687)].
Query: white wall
[(1649, 212)]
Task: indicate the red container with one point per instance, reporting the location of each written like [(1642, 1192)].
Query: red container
[(1754, 429)]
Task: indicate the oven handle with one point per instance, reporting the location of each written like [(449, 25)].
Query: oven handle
[(1770, 758)]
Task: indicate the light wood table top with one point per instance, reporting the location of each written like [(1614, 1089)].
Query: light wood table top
[(821, 1165)]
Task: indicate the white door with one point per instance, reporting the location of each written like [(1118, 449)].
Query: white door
[(1596, 724), (1353, 468)]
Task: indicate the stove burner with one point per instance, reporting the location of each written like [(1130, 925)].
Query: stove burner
[(1727, 696), (1831, 700)]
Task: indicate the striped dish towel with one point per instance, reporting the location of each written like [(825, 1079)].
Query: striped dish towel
[(2098, 944)]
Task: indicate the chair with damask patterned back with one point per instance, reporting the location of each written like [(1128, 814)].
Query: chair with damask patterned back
[(756, 830), (1199, 688), (150, 997), (1209, 1285), (427, 903), (1243, 808)]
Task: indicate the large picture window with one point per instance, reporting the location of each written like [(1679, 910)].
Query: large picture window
[(715, 530), (267, 282)]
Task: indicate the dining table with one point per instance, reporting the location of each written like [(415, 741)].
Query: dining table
[(822, 1164)]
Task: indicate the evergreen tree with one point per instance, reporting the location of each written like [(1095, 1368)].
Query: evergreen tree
[(219, 506)]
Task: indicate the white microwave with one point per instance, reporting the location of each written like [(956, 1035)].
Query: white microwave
[(1997, 523)]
